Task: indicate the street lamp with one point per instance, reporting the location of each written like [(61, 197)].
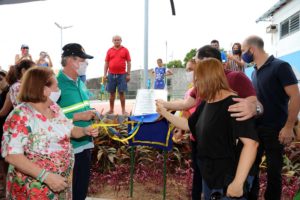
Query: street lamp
[(61, 32)]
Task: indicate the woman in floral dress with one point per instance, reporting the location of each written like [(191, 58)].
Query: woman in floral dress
[(36, 141)]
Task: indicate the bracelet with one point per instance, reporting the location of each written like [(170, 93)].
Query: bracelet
[(44, 177), (41, 174)]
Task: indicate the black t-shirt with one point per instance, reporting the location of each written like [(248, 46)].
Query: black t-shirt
[(269, 82), (217, 134)]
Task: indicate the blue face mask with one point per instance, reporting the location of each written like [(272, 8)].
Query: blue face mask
[(247, 57)]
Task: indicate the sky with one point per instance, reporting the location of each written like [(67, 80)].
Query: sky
[(94, 22)]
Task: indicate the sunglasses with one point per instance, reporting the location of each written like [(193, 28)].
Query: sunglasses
[(25, 48)]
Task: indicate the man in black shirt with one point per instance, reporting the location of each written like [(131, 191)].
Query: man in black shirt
[(276, 88)]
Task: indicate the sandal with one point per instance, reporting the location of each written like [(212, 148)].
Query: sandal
[(109, 112)]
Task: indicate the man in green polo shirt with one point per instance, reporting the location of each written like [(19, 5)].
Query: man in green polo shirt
[(74, 101)]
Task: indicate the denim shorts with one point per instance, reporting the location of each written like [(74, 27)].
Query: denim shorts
[(116, 81)]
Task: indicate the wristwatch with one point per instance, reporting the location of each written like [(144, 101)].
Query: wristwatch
[(259, 109)]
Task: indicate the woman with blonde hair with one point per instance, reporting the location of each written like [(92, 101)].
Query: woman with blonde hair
[(226, 148), (36, 141)]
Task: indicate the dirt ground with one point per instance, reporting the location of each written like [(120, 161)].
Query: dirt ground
[(143, 191)]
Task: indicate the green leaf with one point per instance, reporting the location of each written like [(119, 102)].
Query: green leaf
[(35, 185), (111, 158), (19, 181)]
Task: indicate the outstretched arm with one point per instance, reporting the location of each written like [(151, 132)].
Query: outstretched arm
[(78, 132), (182, 104), (179, 122)]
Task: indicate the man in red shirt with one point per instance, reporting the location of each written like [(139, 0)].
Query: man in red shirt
[(115, 72)]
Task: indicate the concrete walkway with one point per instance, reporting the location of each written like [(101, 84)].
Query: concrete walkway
[(104, 105)]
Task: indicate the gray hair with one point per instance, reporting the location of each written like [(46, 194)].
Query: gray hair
[(64, 61), (116, 36)]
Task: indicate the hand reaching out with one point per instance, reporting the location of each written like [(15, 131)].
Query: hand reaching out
[(159, 107), (94, 132), (84, 116)]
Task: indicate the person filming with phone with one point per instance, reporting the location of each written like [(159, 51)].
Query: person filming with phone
[(24, 54), (44, 60)]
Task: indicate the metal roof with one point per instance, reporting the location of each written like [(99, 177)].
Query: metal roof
[(267, 15), (2, 2)]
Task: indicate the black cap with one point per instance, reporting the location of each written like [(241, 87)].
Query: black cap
[(74, 49)]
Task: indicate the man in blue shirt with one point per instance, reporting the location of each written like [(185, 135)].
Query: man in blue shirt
[(215, 44), (276, 88)]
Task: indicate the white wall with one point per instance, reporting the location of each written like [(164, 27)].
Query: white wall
[(290, 43)]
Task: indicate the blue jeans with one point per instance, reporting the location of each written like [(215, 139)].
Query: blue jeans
[(197, 178), (208, 192)]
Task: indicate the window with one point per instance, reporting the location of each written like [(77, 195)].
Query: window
[(284, 29), (294, 24), (290, 25)]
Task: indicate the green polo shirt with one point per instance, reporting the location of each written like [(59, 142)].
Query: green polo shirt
[(74, 98)]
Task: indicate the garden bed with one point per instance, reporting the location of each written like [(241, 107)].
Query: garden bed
[(111, 171)]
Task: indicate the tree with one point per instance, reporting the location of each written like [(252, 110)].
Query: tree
[(175, 64), (190, 55)]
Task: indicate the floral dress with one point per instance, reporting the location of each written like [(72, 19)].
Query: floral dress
[(45, 142), (13, 93)]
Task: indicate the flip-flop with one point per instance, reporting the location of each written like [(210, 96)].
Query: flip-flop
[(109, 113), (126, 114)]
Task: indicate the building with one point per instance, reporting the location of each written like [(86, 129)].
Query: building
[(284, 30)]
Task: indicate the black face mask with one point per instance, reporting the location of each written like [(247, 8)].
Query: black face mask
[(236, 52)]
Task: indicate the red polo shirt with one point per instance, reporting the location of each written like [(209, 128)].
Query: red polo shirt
[(116, 59)]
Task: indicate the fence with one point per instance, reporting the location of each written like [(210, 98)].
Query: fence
[(96, 94)]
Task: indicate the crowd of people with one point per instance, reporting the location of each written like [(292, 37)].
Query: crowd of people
[(47, 127), (236, 120), (232, 121)]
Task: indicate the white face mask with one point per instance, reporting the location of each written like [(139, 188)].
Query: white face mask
[(54, 96), (82, 68), (190, 76)]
